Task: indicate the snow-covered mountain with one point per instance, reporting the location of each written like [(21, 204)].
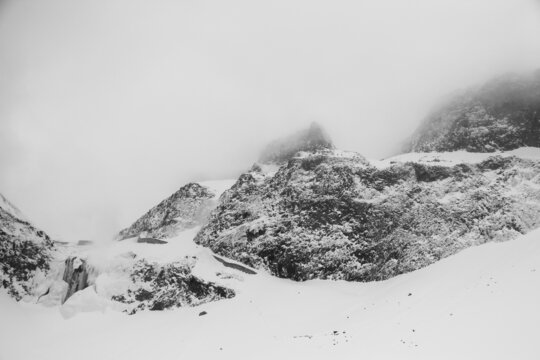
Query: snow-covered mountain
[(503, 114), (335, 215), (247, 258), (142, 272), (25, 251), (318, 214), (185, 209)]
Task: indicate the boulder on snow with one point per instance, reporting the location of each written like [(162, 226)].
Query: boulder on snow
[(84, 242)]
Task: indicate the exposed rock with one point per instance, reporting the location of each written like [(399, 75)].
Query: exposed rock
[(331, 214), (150, 241), (504, 114), (24, 250), (164, 286), (238, 267), (76, 275), (84, 242), (312, 139), (186, 208)]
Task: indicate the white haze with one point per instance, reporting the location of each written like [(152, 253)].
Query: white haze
[(108, 106)]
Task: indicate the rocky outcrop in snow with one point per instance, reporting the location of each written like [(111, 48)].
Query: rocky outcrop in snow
[(186, 208), (76, 274), (504, 114), (330, 214), (164, 286), (24, 250)]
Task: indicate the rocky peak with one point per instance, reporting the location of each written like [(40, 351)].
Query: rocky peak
[(184, 209), (503, 114), (312, 139)]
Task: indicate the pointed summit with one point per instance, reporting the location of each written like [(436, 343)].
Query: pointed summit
[(311, 139), (184, 209)]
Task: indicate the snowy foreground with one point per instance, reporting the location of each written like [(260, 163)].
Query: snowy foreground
[(479, 304)]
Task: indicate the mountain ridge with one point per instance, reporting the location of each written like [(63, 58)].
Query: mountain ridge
[(24, 250), (503, 114)]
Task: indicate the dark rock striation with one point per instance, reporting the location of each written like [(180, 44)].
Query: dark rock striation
[(504, 114)]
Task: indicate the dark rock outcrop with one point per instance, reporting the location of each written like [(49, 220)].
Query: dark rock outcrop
[(312, 139), (332, 215), (151, 241), (164, 286), (186, 208), (76, 275), (504, 114), (235, 266), (24, 251)]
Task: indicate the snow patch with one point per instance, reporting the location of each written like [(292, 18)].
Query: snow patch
[(456, 157)]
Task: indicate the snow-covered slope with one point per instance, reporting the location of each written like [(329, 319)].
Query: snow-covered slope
[(8, 207), (25, 251), (479, 304), (457, 157), (140, 272), (186, 208)]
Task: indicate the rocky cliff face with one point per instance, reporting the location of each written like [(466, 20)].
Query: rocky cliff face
[(24, 250), (334, 215), (186, 208), (504, 114), (76, 275)]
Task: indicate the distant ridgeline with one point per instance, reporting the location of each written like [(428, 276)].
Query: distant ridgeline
[(504, 114)]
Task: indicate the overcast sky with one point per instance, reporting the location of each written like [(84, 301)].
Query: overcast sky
[(109, 106)]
